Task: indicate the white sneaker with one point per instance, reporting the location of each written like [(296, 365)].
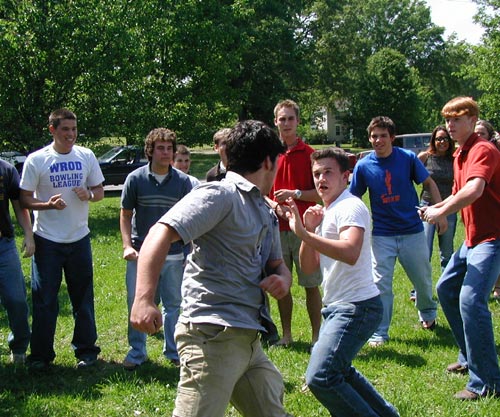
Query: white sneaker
[(376, 343)]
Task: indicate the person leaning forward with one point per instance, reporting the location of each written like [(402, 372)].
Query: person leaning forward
[(235, 243)]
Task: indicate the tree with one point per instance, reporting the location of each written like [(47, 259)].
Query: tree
[(389, 88), (348, 33), (61, 54), (126, 67), (485, 66)]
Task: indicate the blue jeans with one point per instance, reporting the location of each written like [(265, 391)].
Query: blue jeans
[(413, 254), (47, 266), (445, 240), (169, 290), (464, 290), (330, 375), (13, 296)]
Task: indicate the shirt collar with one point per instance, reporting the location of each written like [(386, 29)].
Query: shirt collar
[(298, 147), (469, 143), (151, 173), (241, 182)]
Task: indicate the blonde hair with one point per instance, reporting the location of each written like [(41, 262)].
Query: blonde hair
[(287, 103)]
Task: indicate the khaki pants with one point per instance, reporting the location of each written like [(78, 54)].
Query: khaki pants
[(221, 365)]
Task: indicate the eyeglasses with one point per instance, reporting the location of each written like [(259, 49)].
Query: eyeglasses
[(442, 139)]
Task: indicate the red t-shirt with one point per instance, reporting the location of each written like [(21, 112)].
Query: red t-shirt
[(478, 158), (294, 172)]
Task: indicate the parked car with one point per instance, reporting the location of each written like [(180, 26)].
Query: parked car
[(362, 154), (14, 158), (352, 160), (416, 142), (120, 161)]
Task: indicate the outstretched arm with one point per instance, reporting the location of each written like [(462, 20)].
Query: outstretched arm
[(145, 315), (469, 193)]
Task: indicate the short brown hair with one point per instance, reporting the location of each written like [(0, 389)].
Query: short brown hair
[(221, 135), (335, 153), (460, 106), (159, 134), (182, 150), (382, 122), (60, 114)]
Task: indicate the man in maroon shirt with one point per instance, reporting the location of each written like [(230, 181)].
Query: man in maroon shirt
[(294, 179)]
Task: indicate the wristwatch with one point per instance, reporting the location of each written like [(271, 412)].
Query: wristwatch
[(297, 194), (91, 194)]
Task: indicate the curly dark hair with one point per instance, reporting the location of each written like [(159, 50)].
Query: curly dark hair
[(159, 134)]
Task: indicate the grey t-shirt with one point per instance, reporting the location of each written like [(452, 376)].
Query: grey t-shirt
[(234, 234)]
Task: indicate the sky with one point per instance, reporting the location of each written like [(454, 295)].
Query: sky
[(456, 16)]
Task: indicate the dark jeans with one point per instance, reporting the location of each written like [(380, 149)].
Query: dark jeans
[(48, 264), (13, 296)]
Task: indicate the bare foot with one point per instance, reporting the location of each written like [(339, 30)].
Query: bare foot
[(284, 342)]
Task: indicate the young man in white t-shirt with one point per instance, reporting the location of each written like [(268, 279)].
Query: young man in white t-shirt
[(336, 239), (58, 183)]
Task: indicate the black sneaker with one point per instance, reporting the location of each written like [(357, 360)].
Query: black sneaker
[(37, 365)]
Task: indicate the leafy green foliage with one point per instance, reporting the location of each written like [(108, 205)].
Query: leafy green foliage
[(486, 61), (349, 34), (125, 67), (195, 66)]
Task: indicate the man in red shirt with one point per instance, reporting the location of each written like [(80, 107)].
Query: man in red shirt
[(466, 282), (294, 179)]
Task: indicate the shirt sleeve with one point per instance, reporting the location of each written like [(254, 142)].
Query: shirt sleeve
[(199, 211), (358, 184)]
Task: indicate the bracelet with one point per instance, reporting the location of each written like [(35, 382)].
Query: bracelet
[(91, 195)]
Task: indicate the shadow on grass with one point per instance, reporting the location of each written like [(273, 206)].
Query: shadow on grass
[(18, 383), (296, 346), (386, 353)]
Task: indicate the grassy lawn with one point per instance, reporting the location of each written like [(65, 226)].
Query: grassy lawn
[(408, 371)]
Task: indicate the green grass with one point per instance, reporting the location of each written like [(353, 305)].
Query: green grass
[(201, 162), (408, 371)]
